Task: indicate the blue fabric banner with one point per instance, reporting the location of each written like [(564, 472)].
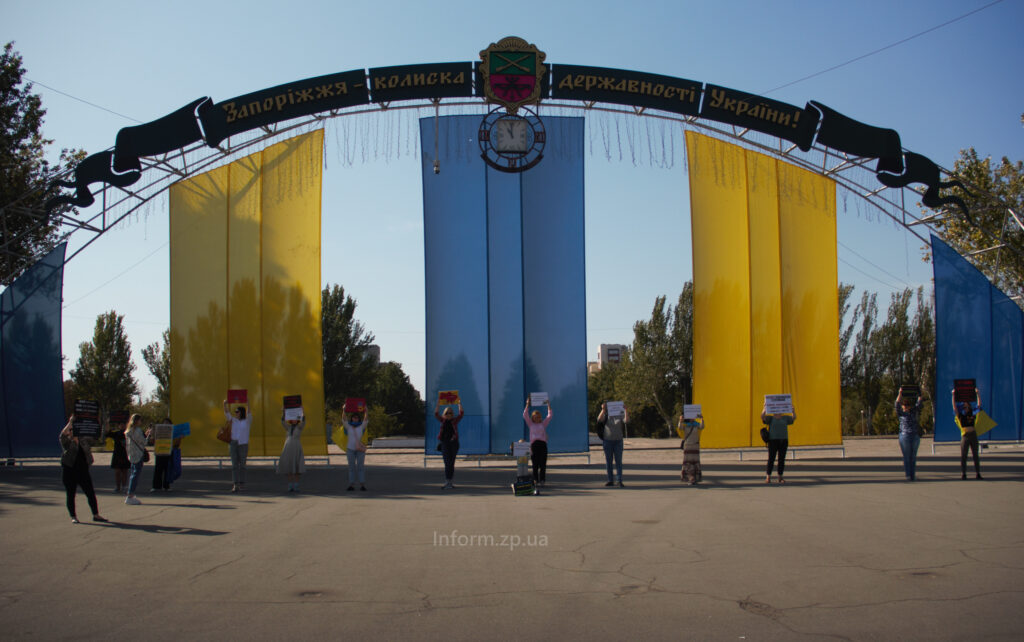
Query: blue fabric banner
[(31, 388), (978, 335), (505, 285)]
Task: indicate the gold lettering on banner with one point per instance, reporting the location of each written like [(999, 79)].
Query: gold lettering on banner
[(280, 101), (760, 111), (422, 79), (587, 82)]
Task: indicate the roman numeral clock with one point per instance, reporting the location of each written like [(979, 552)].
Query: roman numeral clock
[(512, 136)]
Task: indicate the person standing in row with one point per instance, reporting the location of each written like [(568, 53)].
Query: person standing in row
[(448, 440), (162, 467), (965, 416), (119, 460), (355, 450), (612, 431), (909, 415), (293, 459), (538, 440), (75, 459), (135, 443), (239, 447), (689, 431), (778, 441)]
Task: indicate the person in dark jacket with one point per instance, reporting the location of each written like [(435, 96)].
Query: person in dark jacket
[(75, 459), (448, 440)]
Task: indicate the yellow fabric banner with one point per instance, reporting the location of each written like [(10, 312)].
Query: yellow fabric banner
[(765, 293), (245, 295)]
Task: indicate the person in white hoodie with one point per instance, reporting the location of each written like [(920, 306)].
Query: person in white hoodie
[(239, 447)]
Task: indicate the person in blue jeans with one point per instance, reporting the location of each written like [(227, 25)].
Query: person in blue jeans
[(612, 431), (910, 432)]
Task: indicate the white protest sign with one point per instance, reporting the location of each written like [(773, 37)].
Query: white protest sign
[(521, 449), (538, 399), (616, 408), (691, 411), (778, 404)]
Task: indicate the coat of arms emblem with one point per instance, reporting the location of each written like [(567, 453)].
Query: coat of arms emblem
[(512, 70)]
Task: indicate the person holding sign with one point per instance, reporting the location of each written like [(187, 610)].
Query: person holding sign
[(689, 430), (239, 446), (778, 440), (119, 460), (75, 459), (163, 438), (965, 418), (293, 460), (355, 449), (612, 430), (908, 412), (538, 440), (135, 441), (448, 440)]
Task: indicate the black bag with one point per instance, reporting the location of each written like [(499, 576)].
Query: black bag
[(764, 435), (438, 446), (145, 456)]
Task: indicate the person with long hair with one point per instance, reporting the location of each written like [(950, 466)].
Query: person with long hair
[(908, 414), (689, 431), (135, 441), (448, 440), (355, 450), (965, 416), (538, 428), (119, 459), (293, 459), (778, 441), (241, 422), (75, 459)]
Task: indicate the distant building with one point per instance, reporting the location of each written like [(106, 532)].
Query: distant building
[(373, 352), (606, 353)]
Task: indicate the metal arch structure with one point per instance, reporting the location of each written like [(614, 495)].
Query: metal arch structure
[(149, 158)]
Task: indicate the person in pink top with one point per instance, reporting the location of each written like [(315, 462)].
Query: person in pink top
[(538, 440)]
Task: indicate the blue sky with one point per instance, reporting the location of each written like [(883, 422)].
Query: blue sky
[(952, 86)]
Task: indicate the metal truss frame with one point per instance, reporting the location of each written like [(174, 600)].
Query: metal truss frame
[(160, 172)]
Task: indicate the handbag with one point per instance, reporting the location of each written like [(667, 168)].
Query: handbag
[(764, 435), (145, 455), (224, 434)]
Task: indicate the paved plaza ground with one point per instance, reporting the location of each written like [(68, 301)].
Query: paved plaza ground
[(845, 550)]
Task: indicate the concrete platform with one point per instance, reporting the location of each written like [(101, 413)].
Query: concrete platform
[(846, 549)]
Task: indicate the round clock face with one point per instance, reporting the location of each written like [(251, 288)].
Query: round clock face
[(512, 143)]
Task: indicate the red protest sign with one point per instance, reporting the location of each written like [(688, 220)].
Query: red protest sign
[(963, 390), (450, 397), (238, 396), (293, 401), (355, 404)]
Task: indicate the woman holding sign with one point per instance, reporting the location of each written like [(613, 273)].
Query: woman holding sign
[(538, 440), (689, 429), (448, 440), (239, 447), (908, 413), (965, 418), (778, 440), (135, 440), (355, 450), (75, 459), (293, 460)]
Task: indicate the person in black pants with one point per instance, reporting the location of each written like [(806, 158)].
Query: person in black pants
[(778, 441), (968, 435), (448, 440), (75, 459), (162, 469)]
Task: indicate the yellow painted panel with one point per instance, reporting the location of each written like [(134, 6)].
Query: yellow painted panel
[(810, 306), (291, 342), (721, 278), (198, 284), (243, 266), (765, 293)]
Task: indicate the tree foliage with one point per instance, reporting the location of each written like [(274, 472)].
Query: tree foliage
[(347, 370), (993, 189), (104, 371), (395, 394), (157, 357), (26, 177)]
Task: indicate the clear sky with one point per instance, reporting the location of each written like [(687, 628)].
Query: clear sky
[(943, 79)]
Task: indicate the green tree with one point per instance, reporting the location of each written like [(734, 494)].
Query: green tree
[(601, 388), (994, 189), (659, 365), (865, 366), (395, 394), (104, 369), (347, 370), (26, 177), (158, 359)]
